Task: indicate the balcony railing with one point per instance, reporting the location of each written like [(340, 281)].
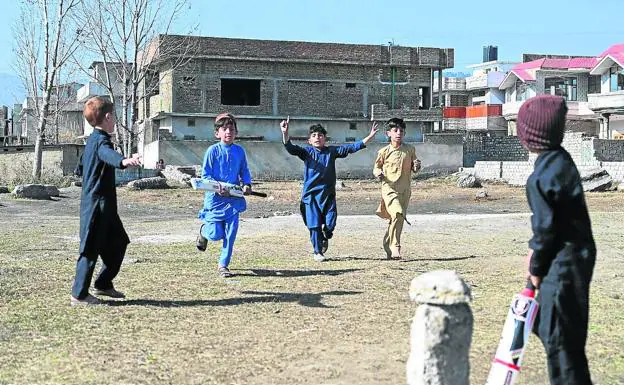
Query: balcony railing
[(611, 100), (578, 109), (89, 90)]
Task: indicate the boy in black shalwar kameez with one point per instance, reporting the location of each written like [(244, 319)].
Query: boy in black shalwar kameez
[(562, 250), (101, 230)]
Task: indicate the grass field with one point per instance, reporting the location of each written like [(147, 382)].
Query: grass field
[(283, 319)]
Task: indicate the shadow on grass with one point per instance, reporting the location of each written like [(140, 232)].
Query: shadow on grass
[(437, 259), (304, 299), (292, 273)]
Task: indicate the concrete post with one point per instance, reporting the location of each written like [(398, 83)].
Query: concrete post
[(441, 331), (440, 93)]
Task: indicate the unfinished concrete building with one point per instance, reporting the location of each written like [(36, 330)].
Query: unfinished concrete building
[(341, 86), (64, 124)]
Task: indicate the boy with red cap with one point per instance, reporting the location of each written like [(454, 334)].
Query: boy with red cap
[(223, 162), (562, 250)]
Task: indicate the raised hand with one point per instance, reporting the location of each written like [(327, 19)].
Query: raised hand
[(371, 135), (374, 129), (284, 125)]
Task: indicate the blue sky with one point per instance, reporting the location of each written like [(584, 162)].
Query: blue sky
[(574, 27)]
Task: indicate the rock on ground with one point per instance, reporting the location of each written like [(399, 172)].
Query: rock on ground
[(31, 191), (148, 183), (467, 181), (597, 179), (52, 190)]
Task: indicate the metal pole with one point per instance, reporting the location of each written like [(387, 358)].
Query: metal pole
[(392, 69)]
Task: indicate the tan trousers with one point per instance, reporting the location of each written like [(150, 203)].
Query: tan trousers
[(392, 238)]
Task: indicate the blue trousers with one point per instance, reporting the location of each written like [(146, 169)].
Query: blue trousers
[(222, 230), (321, 223), (112, 257)]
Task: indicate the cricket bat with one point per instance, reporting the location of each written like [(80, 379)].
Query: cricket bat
[(213, 185), (516, 332)]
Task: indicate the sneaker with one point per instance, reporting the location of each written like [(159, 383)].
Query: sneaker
[(224, 272), (202, 243), (318, 257), (109, 293), (86, 301), (324, 245)]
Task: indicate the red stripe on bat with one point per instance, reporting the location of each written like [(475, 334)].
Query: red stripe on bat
[(507, 364)]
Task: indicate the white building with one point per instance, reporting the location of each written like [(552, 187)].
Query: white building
[(608, 100)]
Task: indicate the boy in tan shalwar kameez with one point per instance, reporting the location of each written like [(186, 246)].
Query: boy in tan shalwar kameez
[(393, 167)]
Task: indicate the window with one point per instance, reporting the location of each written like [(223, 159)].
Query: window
[(617, 80), (594, 84), (350, 139), (561, 86), (240, 92), (523, 90), (352, 126), (424, 98), (350, 85), (190, 122)]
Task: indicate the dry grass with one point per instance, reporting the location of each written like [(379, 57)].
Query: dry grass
[(284, 319)]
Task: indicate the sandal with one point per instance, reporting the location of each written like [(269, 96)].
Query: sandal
[(224, 272)]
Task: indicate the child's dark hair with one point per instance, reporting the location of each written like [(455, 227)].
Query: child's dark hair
[(95, 110), (395, 122), (224, 120), (318, 129)]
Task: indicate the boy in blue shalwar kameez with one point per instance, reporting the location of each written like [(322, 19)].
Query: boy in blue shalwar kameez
[(223, 162), (318, 198)]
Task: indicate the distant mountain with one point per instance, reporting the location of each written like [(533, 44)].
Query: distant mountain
[(11, 90)]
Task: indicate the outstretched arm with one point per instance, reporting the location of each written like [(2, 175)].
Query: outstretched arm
[(371, 135), (108, 155), (346, 149)]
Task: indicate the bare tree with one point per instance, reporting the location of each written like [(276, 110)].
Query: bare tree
[(117, 32), (46, 38)]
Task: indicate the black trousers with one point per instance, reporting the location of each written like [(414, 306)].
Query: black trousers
[(562, 321), (112, 257)]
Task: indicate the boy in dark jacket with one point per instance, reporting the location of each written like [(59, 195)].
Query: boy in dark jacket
[(101, 230), (562, 250)]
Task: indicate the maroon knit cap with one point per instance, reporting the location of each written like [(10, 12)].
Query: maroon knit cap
[(541, 122)]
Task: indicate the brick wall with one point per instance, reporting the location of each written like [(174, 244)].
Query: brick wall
[(292, 51), (448, 139), (57, 160), (480, 147), (608, 150), (588, 154), (451, 124), (615, 169), (488, 170), (381, 112), (309, 89), (128, 175)]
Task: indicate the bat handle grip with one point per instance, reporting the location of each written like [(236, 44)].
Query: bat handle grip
[(529, 290)]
